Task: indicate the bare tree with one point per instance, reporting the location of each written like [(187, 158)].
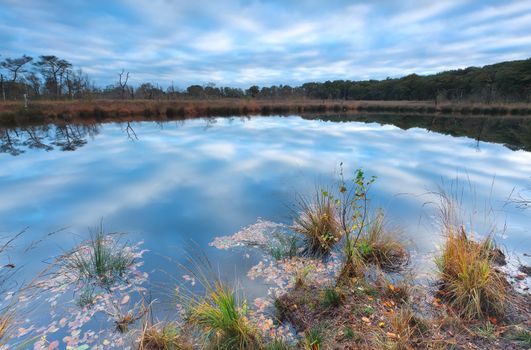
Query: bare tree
[(123, 82), (16, 65)]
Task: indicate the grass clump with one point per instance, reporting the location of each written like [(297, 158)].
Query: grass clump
[(469, 280), (313, 339), (286, 246), (101, 259), (276, 344), (380, 246), (163, 337), (317, 221), (407, 331), (523, 336), (331, 298), (222, 319)]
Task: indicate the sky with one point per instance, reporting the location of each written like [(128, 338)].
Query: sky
[(245, 42)]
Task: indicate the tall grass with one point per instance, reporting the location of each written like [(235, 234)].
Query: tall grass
[(101, 259), (219, 314), (223, 320), (316, 219), (468, 278), (6, 324)]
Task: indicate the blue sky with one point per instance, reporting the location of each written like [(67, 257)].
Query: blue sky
[(241, 42)]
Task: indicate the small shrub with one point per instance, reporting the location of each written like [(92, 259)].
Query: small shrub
[(365, 310), (317, 221)]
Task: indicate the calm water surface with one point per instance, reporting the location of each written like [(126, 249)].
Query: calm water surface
[(178, 184)]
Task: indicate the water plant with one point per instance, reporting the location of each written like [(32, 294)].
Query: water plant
[(100, 259), (316, 219), (284, 246), (220, 314), (222, 319), (380, 245), (469, 281)]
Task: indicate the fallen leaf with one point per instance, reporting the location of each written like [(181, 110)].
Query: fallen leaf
[(125, 299)]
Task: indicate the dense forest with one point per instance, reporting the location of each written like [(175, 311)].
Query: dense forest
[(50, 77)]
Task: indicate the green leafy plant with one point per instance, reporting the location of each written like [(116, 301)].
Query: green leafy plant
[(352, 206)]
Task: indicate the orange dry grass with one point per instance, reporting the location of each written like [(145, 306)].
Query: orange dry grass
[(469, 280)]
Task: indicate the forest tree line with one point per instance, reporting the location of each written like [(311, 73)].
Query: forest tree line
[(50, 77)]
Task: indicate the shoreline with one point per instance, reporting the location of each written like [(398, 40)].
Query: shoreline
[(13, 113)]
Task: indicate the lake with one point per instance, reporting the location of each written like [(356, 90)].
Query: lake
[(177, 185)]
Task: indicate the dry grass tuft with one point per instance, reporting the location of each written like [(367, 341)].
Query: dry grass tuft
[(407, 331), (380, 245), (318, 222), (6, 325), (163, 337), (469, 281)]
